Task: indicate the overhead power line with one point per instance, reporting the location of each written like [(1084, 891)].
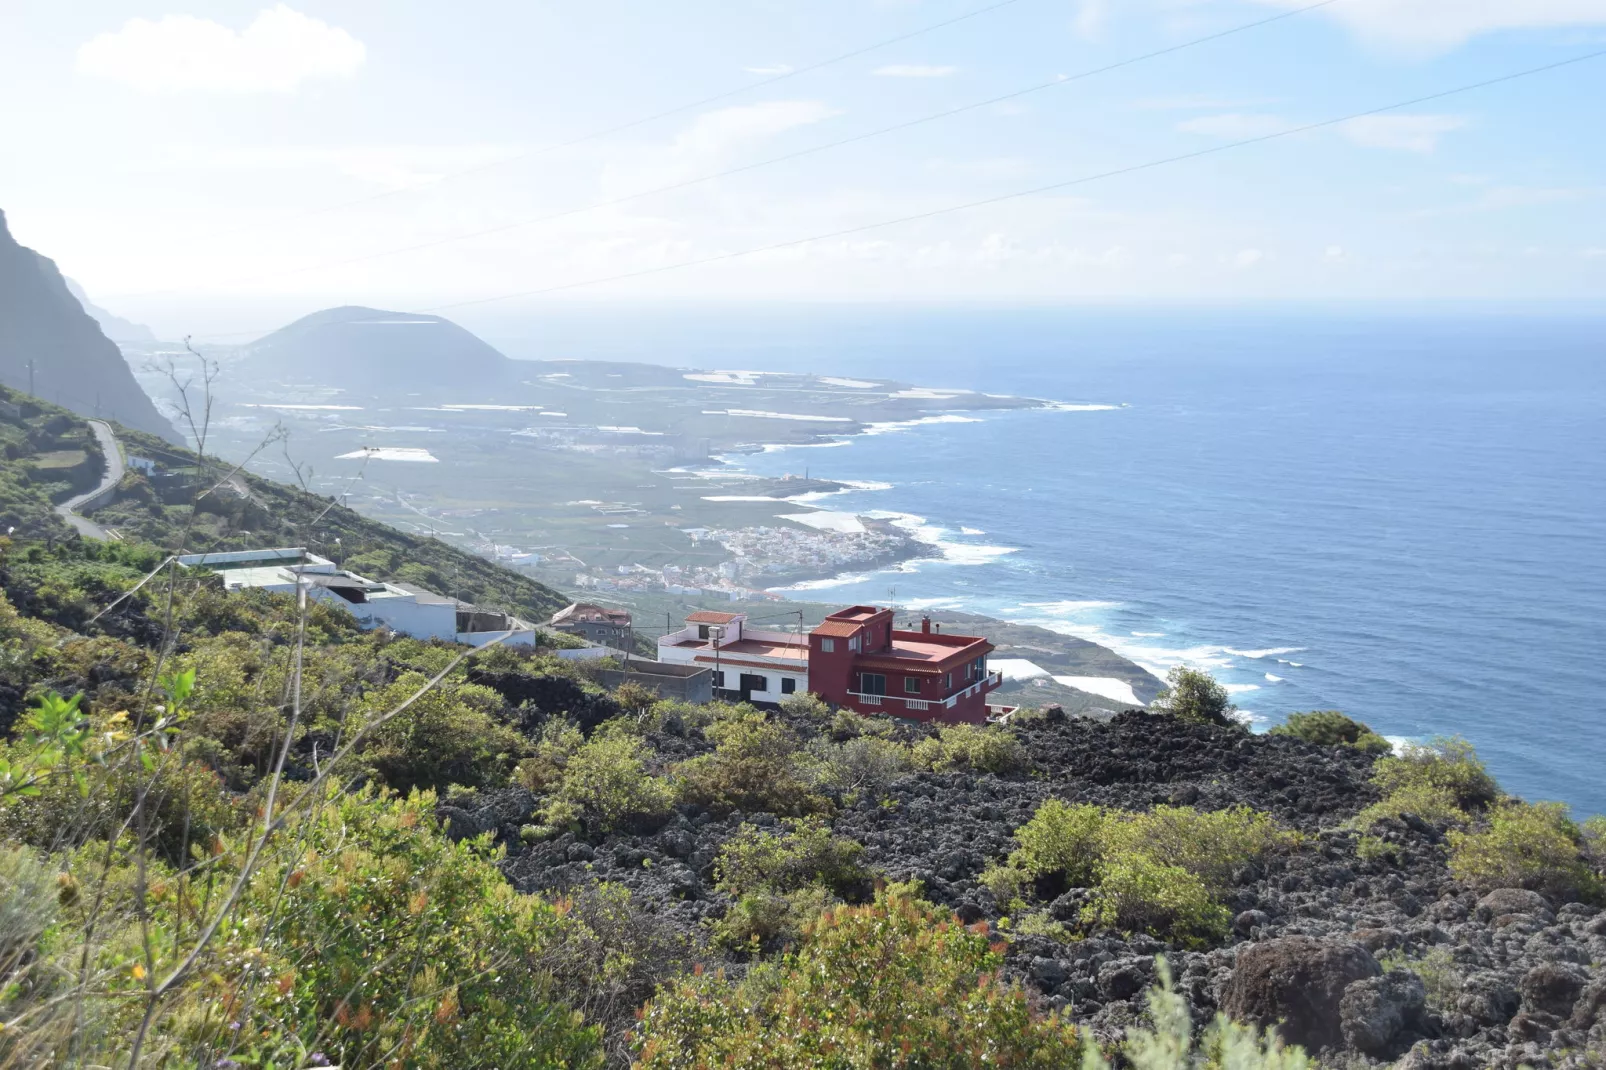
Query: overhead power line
[(1037, 87), (676, 110), (1034, 191)]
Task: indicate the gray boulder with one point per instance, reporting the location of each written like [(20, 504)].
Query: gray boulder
[(1376, 1010), (1552, 988), (1487, 998), (1504, 901), (1296, 984)]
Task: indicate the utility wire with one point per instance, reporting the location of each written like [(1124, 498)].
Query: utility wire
[(800, 153), (677, 110), (1051, 187)]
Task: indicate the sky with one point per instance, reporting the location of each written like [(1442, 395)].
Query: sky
[(218, 168)]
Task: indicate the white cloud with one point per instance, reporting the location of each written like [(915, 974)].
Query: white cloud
[(913, 70), (279, 50), (779, 68), (1197, 102), (1248, 258), (1333, 253), (1431, 25), (390, 167), (1412, 133), (1594, 252), (1090, 17), (1234, 126)]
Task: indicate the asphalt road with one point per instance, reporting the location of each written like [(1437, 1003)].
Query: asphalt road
[(113, 476)]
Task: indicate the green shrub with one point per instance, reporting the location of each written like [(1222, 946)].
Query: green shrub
[(1594, 833), (768, 921), (897, 983), (1139, 893), (543, 770), (1443, 765), (805, 852), (1195, 696), (754, 767), (1331, 728), (1007, 883), (970, 747), (1210, 844), (1062, 838), (607, 780), (807, 706), (451, 735), (1436, 806), (863, 765), (1526, 845)]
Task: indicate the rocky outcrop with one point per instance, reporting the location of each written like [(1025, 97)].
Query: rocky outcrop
[(1296, 985), (1499, 980), (74, 364)]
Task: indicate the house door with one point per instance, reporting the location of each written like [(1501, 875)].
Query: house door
[(751, 683)]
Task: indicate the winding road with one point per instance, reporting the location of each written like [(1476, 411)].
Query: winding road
[(113, 476)]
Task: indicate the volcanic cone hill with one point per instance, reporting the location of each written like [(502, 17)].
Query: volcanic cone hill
[(372, 351), (73, 362)]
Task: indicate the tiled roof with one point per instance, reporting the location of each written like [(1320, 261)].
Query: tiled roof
[(838, 629), (709, 616)]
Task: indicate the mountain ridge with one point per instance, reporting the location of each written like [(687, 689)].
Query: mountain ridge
[(52, 347)]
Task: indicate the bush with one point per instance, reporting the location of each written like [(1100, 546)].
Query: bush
[(806, 706), (863, 765), (804, 853), (969, 747), (1331, 729), (1447, 766), (1439, 971), (1534, 846), (897, 983), (1210, 844), (1139, 893), (449, 736), (1062, 838), (1195, 696), (607, 780), (754, 767), (542, 771)]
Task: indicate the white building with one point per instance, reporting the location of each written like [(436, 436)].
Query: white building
[(401, 607), (752, 663)]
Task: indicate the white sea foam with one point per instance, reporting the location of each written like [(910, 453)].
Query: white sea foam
[(851, 384), (1066, 406), (309, 408), (618, 525), (1269, 653), (971, 531), (492, 408), (627, 429), (391, 453), (820, 585), (888, 426), (871, 484), (1270, 679), (1017, 668), (956, 553), (552, 414), (825, 520), (1069, 606), (728, 378), (741, 498), (777, 447), (1238, 689), (765, 414), (918, 604), (926, 393), (1148, 635), (1104, 686)]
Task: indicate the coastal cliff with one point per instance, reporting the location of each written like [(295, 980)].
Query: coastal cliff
[(45, 328)]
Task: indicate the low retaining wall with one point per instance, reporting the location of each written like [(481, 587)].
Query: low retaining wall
[(685, 683)]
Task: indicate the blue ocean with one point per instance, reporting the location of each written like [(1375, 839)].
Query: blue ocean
[(1398, 516)]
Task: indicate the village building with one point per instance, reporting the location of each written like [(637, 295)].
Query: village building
[(595, 624), (856, 658), (404, 608)]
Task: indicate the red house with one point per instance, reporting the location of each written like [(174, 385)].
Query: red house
[(859, 660)]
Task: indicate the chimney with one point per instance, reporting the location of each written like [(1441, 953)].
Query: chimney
[(925, 625)]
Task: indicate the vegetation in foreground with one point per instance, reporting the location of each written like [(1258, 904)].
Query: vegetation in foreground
[(229, 845)]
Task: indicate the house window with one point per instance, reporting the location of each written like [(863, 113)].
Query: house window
[(853, 644), (911, 685), (948, 682), (702, 631), (828, 646), (872, 683), (719, 679), (788, 685), (752, 682)]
